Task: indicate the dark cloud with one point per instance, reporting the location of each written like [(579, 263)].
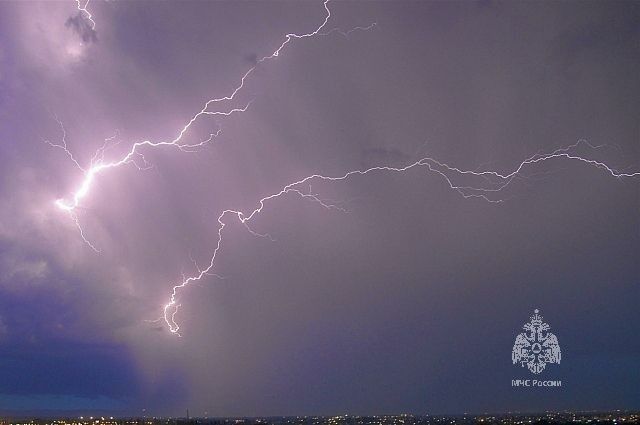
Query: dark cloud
[(83, 27)]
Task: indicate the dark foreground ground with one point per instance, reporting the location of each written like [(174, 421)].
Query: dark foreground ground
[(615, 417)]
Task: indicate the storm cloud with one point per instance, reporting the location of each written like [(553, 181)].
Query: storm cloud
[(409, 302)]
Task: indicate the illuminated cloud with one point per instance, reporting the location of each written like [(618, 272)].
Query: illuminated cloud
[(397, 292)]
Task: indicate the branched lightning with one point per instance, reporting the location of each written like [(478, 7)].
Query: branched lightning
[(63, 144), (493, 182), (84, 9), (485, 184), (98, 163)]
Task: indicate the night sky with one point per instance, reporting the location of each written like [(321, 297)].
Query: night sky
[(410, 299)]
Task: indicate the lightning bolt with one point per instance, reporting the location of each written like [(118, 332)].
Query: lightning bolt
[(493, 183), (84, 9), (98, 163), (487, 185)]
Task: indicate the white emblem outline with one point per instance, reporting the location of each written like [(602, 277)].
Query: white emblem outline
[(536, 346)]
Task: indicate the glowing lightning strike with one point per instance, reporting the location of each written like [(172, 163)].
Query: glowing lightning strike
[(489, 187), (98, 165), (84, 9), (445, 171)]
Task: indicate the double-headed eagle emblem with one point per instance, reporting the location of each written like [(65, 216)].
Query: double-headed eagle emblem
[(536, 346)]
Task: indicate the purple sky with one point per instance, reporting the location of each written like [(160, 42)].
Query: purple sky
[(408, 302)]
